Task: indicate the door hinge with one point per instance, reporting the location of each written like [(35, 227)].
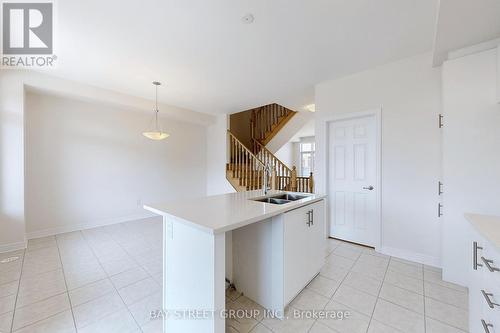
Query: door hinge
[(441, 122), (440, 209), (440, 188)]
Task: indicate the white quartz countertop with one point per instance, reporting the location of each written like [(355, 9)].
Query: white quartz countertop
[(225, 212), (488, 226)]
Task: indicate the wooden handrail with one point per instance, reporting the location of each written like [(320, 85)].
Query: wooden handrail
[(278, 168), (266, 121), (247, 166), (231, 135), (258, 147), (244, 165)]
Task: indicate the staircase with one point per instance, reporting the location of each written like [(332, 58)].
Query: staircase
[(246, 163), (266, 121)]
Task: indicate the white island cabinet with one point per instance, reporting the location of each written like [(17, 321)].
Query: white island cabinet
[(304, 226), (484, 286), (277, 249)]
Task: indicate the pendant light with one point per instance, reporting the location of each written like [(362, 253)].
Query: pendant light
[(154, 132)]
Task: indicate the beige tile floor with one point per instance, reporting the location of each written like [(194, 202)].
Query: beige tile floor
[(108, 279), (105, 279), (382, 294)]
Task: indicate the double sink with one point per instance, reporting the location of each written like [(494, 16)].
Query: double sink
[(281, 199)]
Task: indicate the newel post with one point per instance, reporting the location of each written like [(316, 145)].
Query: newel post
[(293, 180), (311, 183)]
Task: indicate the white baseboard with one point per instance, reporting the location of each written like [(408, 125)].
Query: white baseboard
[(409, 255), (12, 247), (90, 225)]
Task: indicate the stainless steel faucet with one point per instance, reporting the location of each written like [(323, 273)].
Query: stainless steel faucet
[(267, 175)]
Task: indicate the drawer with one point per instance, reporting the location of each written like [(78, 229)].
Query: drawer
[(490, 284), (490, 259), (492, 323)]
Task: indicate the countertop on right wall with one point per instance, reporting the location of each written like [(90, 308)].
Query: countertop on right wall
[(488, 226)]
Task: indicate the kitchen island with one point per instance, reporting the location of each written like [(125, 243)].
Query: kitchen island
[(278, 245)]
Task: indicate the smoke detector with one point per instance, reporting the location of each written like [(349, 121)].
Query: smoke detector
[(248, 19)]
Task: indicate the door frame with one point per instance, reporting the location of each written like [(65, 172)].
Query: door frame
[(377, 113)]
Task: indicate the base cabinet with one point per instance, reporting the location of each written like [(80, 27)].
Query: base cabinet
[(274, 259), (304, 243), (484, 289)]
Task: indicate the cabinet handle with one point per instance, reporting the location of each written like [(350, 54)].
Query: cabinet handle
[(475, 264), (488, 263), (312, 217), (488, 299), (308, 218), (486, 326)]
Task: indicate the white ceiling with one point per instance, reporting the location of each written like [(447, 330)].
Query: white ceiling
[(463, 23), (211, 62)]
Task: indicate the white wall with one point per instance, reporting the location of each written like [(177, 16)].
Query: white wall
[(408, 92), (11, 162), (291, 128), (87, 164), (471, 146), (13, 84), (286, 154), (216, 174), (217, 157)]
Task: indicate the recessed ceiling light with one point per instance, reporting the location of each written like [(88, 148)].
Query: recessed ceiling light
[(310, 107), (248, 18)]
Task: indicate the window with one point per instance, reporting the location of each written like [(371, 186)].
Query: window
[(307, 158)]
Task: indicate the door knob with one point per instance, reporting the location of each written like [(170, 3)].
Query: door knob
[(370, 188)]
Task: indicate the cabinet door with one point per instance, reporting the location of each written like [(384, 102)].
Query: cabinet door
[(296, 254), (491, 284), (317, 238), (476, 299)]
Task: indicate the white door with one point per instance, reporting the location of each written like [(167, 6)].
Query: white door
[(352, 170)]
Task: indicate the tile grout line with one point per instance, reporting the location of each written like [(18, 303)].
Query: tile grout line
[(445, 323), (140, 266), (17, 292), (378, 295), (66, 284), (133, 259), (107, 275), (423, 288), (40, 320), (340, 284), (452, 305), (104, 278)]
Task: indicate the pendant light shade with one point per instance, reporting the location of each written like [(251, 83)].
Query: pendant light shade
[(154, 131), (156, 135)]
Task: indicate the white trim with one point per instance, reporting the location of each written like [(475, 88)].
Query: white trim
[(378, 186), (12, 247), (484, 46), (90, 225), (411, 256), (298, 163), (498, 73)]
